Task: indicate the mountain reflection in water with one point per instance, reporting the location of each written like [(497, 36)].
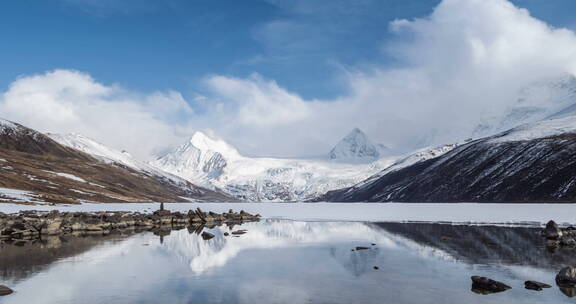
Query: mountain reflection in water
[(281, 261)]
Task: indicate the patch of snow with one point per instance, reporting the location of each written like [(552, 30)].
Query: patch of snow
[(81, 192), (93, 184), (7, 194), (69, 176), (7, 125), (541, 129)]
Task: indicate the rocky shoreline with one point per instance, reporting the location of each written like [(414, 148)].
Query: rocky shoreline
[(27, 225), (555, 238)]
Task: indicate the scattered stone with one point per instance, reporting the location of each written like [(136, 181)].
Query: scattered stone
[(362, 248), (239, 232), (566, 277), (207, 235), (483, 285), (4, 291), (373, 244), (226, 234), (30, 225), (534, 285), (376, 267), (567, 241)]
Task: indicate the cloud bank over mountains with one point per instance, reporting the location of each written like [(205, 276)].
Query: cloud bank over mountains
[(456, 68)]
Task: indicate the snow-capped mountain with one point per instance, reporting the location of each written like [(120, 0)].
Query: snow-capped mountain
[(530, 163), (119, 158), (545, 99), (356, 147), (202, 159), (206, 161), (35, 168)]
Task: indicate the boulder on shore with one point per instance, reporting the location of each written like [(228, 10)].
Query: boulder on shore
[(566, 276), (552, 231), (207, 235), (4, 291), (534, 285), (483, 285)]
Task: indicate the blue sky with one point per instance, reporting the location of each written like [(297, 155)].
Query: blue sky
[(150, 44), (315, 61)]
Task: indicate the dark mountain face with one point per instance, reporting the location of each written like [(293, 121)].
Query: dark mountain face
[(49, 172), (538, 170)]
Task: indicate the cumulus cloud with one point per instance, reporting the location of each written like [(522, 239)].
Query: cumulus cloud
[(460, 67), (65, 101)]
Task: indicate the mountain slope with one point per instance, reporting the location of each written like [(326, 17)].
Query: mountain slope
[(214, 163), (531, 163), (558, 94), (35, 168)]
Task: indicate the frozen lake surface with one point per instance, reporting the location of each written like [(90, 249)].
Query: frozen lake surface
[(367, 212)]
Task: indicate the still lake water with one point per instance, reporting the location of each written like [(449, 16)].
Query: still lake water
[(284, 261)]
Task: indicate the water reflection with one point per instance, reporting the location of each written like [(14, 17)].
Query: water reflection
[(280, 261)]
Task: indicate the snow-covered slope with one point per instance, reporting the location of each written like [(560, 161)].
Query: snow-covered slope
[(356, 147), (203, 161), (120, 158), (98, 150), (545, 99), (531, 163)]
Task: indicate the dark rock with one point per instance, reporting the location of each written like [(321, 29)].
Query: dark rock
[(566, 277), (483, 285), (376, 267), (534, 285), (239, 232), (207, 235), (226, 234), (362, 248), (568, 291), (4, 291), (552, 231), (567, 241)]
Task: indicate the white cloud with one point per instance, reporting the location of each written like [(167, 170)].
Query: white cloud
[(459, 67), (456, 68), (64, 101)]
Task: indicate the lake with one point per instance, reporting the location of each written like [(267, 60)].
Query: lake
[(288, 261)]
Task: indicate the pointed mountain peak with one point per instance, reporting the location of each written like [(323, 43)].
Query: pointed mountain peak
[(356, 147), (203, 142)]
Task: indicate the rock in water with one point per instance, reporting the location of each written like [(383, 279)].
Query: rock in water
[(552, 231), (361, 248), (4, 291), (207, 235), (566, 276), (533, 285), (483, 285)]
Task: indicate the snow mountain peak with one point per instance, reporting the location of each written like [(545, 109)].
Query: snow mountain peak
[(357, 147), (203, 142), (201, 159)]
